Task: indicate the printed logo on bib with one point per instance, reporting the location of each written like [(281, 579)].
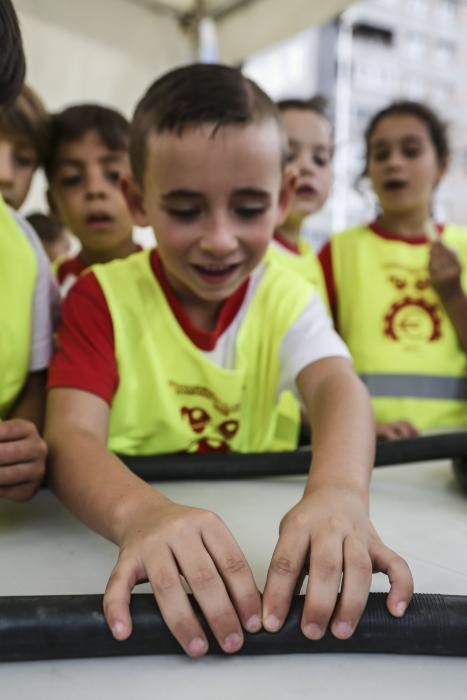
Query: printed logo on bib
[(213, 436), (412, 319)]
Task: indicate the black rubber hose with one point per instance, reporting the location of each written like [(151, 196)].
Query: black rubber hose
[(231, 465), (59, 627)]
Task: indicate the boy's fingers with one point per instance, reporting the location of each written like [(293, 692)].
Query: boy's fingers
[(285, 569), (16, 429), (236, 574), (31, 472), (20, 492), (24, 449), (117, 597), (174, 605), (209, 590), (400, 578), (355, 588), (325, 575)]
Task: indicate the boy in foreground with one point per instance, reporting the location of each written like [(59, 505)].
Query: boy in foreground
[(187, 347)]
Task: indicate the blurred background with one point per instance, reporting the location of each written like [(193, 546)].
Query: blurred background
[(360, 55)]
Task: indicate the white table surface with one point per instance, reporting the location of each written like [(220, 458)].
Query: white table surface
[(417, 509)]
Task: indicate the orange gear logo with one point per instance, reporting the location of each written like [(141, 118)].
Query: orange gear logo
[(413, 320)]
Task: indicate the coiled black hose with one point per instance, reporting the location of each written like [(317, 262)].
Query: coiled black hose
[(60, 627)]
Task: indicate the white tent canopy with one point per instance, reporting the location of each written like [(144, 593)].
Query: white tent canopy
[(111, 49), (244, 26)]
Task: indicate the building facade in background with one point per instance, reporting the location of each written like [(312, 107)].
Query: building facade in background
[(375, 52)]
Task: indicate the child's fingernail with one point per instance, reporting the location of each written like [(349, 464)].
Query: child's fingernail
[(118, 630), (233, 642), (254, 623), (313, 631), (343, 630), (401, 608), (272, 623), (197, 646)]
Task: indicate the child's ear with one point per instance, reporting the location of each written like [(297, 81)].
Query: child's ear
[(134, 200), (286, 194)]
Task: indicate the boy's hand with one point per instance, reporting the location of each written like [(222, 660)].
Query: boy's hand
[(171, 540), (22, 459), (395, 430), (445, 270), (329, 533)]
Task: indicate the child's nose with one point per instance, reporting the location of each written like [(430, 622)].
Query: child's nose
[(95, 184), (6, 164), (219, 239)]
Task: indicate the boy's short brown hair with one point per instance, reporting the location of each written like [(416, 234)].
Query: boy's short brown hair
[(193, 95), (26, 120), (73, 123)]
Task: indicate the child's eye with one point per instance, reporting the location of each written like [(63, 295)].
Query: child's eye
[(249, 212), (113, 176), (292, 155), (320, 160), (183, 214), (23, 161), (70, 180), (380, 155), (411, 151)]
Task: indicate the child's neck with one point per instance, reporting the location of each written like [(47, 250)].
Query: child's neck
[(405, 225), (290, 234), (92, 257)]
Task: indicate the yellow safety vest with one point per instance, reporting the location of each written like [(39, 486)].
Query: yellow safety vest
[(17, 284), (403, 344), (306, 265), (170, 396)]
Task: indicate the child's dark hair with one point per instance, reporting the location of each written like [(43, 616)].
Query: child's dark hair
[(317, 104), (193, 95), (26, 120), (48, 229), (75, 122), (12, 61), (436, 127)]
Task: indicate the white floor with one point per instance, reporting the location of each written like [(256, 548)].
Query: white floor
[(418, 510)]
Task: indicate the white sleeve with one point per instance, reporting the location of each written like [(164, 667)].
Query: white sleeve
[(311, 338), (46, 303)]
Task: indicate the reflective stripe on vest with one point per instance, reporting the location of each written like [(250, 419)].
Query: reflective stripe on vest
[(17, 283), (170, 396), (416, 386)]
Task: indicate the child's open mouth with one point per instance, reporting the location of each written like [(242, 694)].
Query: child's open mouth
[(216, 273), (99, 221), (395, 185), (306, 191)]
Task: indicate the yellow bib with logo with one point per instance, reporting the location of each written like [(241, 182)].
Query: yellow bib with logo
[(403, 344), (17, 283), (170, 396)]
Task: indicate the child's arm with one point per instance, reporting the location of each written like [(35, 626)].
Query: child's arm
[(445, 273), (22, 451), (329, 530), (159, 540)]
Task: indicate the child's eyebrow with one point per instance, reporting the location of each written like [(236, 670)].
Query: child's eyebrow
[(252, 192)]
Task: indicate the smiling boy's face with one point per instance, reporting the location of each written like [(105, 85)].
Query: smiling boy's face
[(213, 199)]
